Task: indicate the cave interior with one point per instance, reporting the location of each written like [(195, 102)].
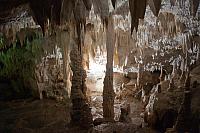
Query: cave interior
[(99, 66)]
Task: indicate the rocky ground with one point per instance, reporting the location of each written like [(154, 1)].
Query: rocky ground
[(125, 91), (33, 116), (50, 116)]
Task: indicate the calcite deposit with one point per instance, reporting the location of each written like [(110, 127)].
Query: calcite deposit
[(115, 65)]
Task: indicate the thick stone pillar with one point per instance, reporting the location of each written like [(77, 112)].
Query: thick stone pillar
[(81, 113), (108, 92)]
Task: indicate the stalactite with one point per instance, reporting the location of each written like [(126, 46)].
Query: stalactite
[(65, 38), (108, 92), (172, 2), (139, 75), (67, 7), (197, 57), (155, 6), (101, 7), (194, 4), (180, 27), (80, 14), (88, 4), (113, 3), (116, 55), (137, 10), (168, 25), (181, 3), (141, 8)]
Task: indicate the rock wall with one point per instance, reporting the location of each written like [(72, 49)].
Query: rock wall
[(50, 82)]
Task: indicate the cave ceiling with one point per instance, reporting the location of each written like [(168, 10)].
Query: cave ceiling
[(61, 10)]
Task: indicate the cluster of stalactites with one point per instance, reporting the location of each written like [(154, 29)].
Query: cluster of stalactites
[(122, 47), (190, 45), (15, 29), (167, 23), (138, 8), (174, 40), (62, 11)]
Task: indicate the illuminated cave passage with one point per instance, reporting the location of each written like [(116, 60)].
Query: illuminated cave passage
[(99, 66)]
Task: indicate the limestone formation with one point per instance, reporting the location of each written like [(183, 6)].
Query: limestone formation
[(153, 45), (184, 115), (155, 6), (81, 113), (171, 85), (108, 92), (194, 4), (125, 114), (137, 10), (183, 123), (50, 80)]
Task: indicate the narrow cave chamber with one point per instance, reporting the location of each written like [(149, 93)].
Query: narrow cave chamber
[(99, 66)]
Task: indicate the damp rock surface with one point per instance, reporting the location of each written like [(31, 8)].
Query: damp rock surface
[(33, 116)]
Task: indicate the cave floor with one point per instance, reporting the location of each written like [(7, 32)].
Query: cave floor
[(44, 116), (33, 116), (123, 97), (50, 116), (126, 96)]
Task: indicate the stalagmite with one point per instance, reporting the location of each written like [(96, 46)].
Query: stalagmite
[(182, 77), (108, 92), (171, 85), (81, 113), (116, 57), (139, 76), (183, 123), (125, 114), (187, 82), (161, 74)]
